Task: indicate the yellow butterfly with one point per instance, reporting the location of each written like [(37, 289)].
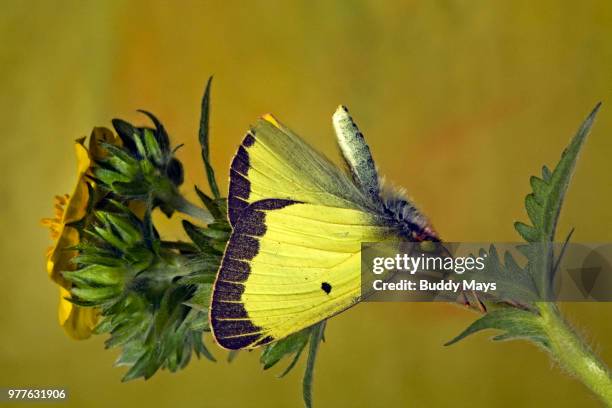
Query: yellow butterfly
[(298, 221)]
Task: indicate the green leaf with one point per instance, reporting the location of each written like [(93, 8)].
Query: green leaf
[(292, 344), (515, 323), (543, 207), (204, 140), (316, 337), (544, 204), (514, 284), (231, 356)]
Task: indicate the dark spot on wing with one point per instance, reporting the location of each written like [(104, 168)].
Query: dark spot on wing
[(326, 287)]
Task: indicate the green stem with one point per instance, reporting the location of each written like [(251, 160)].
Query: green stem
[(574, 355)]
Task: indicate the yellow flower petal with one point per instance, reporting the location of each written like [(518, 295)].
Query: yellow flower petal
[(77, 206), (101, 134), (59, 257), (78, 322), (82, 155), (65, 307)]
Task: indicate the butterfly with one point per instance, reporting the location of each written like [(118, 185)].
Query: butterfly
[(294, 255)]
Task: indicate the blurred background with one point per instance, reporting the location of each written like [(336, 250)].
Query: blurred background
[(460, 101)]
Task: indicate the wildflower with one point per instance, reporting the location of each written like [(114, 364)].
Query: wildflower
[(71, 212)]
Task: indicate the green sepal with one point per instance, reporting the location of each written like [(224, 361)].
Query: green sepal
[(161, 136), (97, 295), (97, 259), (129, 234), (109, 177), (201, 298), (211, 205), (153, 149), (195, 233), (124, 333), (96, 275)]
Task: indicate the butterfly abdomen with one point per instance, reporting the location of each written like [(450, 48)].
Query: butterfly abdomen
[(408, 220), (356, 153)]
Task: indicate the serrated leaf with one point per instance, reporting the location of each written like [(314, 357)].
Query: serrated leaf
[(546, 174), (515, 285), (534, 209), (515, 323), (550, 192), (527, 232), (544, 204), (538, 186)]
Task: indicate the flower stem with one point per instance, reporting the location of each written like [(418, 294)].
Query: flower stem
[(574, 354)]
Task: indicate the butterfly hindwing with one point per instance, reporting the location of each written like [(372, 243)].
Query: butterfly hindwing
[(287, 266)]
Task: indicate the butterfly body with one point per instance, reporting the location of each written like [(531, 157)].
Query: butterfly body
[(298, 221)]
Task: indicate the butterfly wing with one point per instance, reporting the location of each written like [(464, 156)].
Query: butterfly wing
[(273, 162), (293, 258)]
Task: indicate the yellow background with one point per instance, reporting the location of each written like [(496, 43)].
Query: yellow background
[(460, 101)]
